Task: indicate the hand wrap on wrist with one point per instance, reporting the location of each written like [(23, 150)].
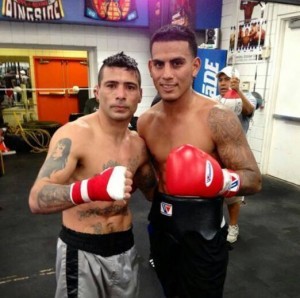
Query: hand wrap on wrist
[(109, 185), (231, 184)]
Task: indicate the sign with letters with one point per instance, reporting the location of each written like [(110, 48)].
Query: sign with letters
[(212, 61), (121, 13), (29, 10)]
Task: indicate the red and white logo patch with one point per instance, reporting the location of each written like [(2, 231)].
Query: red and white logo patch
[(166, 209)]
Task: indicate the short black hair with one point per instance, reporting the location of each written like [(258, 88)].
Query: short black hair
[(120, 60), (175, 33)]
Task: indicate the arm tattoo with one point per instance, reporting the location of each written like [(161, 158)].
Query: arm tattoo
[(53, 196), (223, 126), (58, 158), (228, 135)]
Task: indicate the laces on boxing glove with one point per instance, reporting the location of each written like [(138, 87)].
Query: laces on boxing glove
[(231, 183)]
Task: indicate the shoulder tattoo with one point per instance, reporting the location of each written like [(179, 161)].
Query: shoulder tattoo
[(57, 159), (224, 126)]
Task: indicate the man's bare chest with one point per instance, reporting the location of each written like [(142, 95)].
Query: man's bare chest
[(163, 140), (96, 160)]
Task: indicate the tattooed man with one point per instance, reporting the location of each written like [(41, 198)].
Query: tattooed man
[(88, 174)]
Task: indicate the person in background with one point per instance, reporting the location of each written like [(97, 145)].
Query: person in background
[(244, 107), (88, 175), (192, 141), (92, 104)]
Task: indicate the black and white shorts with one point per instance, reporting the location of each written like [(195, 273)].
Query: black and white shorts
[(84, 274)]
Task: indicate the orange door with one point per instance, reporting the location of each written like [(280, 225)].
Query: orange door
[(55, 78)]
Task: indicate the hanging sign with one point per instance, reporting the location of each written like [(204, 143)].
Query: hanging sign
[(33, 10), (212, 61)]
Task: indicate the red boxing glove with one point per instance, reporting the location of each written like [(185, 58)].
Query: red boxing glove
[(192, 172), (107, 186)]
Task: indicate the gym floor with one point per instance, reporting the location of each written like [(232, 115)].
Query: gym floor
[(264, 262)]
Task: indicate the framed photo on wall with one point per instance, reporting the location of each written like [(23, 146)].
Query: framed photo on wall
[(247, 37)]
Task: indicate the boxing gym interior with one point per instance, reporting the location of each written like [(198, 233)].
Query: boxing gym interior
[(50, 54)]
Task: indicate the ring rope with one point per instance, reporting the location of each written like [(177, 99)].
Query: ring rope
[(17, 89)]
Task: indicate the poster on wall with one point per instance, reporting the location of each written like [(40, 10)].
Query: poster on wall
[(181, 12), (112, 11), (33, 10), (247, 37), (163, 12)]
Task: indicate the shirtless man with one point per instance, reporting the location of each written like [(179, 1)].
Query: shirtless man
[(88, 175), (193, 140)]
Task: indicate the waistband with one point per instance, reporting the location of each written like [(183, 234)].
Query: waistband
[(104, 245), (178, 215)]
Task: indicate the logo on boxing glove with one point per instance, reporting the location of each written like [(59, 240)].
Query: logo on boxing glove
[(191, 172)]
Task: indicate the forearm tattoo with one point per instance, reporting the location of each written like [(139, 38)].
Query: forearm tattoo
[(53, 196)]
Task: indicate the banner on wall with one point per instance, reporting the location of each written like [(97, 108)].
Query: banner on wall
[(33, 10), (112, 11), (250, 33), (212, 61)]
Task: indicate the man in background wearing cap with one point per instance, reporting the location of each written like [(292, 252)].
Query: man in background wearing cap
[(244, 106)]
